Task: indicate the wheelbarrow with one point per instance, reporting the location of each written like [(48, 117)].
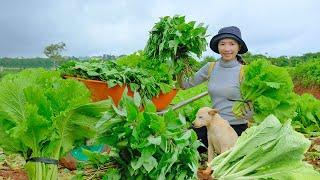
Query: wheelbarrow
[(183, 103)]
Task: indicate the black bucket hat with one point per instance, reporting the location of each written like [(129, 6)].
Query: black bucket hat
[(228, 32)]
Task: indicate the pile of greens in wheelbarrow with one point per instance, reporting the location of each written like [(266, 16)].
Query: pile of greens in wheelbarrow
[(138, 79), (42, 117)]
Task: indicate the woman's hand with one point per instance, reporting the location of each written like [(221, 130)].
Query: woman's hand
[(179, 83), (243, 109), (247, 111)]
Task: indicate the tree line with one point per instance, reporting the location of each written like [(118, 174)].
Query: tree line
[(282, 61), (23, 63), (54, 54)]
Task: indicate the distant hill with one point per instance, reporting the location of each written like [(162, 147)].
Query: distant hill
[(23, 63)]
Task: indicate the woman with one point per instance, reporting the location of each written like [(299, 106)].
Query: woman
[(223, 78)]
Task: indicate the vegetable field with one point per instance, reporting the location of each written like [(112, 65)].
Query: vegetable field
[(50, 124)]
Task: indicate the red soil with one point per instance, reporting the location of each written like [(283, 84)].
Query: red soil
[(7, 173), (314, 90)]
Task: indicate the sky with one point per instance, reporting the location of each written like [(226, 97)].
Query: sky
[(97, 27)]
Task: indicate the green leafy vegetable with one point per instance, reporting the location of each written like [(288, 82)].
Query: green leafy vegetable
[(270, 150), (270, 89), (138, 79), (42, 115), (149, 145), (307, 119), (174, 41), (307, 74)]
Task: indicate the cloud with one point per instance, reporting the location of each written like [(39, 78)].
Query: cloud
[(121, 26)]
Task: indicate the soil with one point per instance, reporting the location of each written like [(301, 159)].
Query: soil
[(314, 90), (204, 174), (7, 173), (313, 154)]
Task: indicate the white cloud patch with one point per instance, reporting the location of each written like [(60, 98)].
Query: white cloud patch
[(121, 26)]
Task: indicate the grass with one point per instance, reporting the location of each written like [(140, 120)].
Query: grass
[(6, 71), (190, 110)]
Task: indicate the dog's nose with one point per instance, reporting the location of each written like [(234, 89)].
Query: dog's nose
[(194, 125)]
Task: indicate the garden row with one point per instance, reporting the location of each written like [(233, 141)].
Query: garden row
[(306, 78)]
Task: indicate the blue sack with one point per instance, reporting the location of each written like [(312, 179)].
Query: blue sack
[(77, 152)]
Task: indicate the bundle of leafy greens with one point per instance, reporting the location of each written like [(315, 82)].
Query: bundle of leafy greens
[(139, 80), (174, 41), (44, 116), (149, 146), (270, 89), (268, 151), (307, 120)]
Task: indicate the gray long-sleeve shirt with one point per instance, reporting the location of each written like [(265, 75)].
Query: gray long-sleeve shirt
[(223, 84)]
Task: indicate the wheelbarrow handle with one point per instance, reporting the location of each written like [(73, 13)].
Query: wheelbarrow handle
[(183, 103)]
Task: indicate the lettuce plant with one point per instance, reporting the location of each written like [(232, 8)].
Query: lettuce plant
[(270, 89), (43, 116), (307, 120)]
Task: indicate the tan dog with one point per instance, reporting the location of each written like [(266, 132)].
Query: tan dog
[(221, 136)]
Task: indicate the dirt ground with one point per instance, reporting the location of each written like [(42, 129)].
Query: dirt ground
[(313, 154), (7, 173), (312, 157), (314, 90)]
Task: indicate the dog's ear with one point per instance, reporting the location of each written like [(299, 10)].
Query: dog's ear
[(213, 112)]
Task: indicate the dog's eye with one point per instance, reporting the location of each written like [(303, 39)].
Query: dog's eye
[(200, 117)]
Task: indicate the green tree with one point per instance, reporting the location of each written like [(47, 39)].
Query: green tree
[(53, 51)]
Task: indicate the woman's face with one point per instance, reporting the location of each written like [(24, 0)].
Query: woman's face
[(228, 48)]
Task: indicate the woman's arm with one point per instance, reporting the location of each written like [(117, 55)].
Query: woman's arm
[(199, 77)]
